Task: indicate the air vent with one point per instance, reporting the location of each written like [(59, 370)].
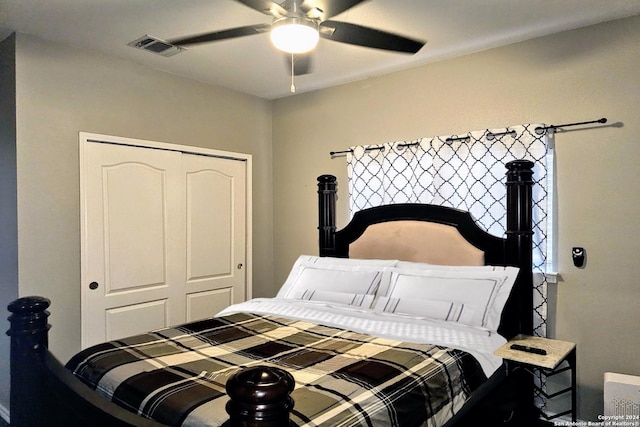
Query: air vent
[(621, 398), (154, 45)]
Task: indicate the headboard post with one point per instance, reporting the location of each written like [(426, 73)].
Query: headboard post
[(519, 185), (327, 191), (29, 341)]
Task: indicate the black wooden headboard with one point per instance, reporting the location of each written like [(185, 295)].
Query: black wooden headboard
[(513, 249)]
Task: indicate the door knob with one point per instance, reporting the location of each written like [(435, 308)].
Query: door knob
[(240, 266), (93, 286)]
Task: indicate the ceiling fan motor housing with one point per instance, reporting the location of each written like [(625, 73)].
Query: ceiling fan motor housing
[(295, 34)]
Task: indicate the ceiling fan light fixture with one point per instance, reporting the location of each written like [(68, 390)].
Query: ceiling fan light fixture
[(295, 35)]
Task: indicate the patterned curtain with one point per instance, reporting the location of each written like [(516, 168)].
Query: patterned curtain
[(466, 172)]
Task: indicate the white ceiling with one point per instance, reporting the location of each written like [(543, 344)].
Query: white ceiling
[(251, 65)]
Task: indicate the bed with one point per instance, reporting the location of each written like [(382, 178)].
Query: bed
[(394, 323)]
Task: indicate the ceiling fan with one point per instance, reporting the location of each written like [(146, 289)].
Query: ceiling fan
[(298, 24)]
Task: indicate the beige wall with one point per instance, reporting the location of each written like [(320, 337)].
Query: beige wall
[(62, 91), (8, 206), (574, 76)]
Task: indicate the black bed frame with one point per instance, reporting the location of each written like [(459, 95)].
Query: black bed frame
[(44, 392)]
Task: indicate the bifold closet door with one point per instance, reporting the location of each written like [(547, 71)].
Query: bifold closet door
[(163, 238)]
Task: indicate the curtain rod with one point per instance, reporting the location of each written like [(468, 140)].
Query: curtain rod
[(539, 130), (542, 129)]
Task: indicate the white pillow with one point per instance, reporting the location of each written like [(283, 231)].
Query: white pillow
[(353, 283), (354, 262), (330, 263), (485, 291), (444, 310), (357, 300), (423, 265)]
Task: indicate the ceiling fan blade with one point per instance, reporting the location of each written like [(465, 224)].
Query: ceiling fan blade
[(329, 8), (364, 36), (301, 63), (265, 6), (230, 33)]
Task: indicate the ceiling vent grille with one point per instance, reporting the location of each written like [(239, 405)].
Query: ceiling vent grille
[(157, 46)]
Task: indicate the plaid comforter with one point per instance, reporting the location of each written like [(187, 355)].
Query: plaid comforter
[(177, 375)]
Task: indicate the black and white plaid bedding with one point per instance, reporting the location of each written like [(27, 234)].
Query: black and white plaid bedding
[(177, 376)]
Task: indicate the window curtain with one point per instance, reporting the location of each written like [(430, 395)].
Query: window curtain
[(465, 172)]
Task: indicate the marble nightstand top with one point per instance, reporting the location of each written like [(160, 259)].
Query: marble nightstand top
[(556, 350)]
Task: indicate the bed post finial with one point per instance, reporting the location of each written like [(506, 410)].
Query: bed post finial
[(260, 397), (327, 191), (520, 234), (28, 331)]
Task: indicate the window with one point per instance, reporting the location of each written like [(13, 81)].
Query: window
[(465, 172)]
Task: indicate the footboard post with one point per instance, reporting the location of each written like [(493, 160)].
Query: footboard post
[(260, 397), (28, 331), (327, 189)]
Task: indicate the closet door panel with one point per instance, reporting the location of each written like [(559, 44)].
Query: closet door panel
[(131, 247), (215, 233), (134, 197), (131, 319), (200, 305), (209, 224)]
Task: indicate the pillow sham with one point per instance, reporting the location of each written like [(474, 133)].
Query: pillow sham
[(443, 310), (328, 263), (354, 262), (486, 291), (410, 265), (340, 283), (356, 300)]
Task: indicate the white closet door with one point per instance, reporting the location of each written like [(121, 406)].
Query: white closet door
[(215, 234), (132, 201), (164, 238)]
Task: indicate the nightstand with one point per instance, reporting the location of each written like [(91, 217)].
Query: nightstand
[(548, 364)]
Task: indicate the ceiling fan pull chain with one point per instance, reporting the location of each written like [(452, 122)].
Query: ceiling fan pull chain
[(293, 85)]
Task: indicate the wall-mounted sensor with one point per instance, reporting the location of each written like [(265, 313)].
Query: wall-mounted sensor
[(578, 254)]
